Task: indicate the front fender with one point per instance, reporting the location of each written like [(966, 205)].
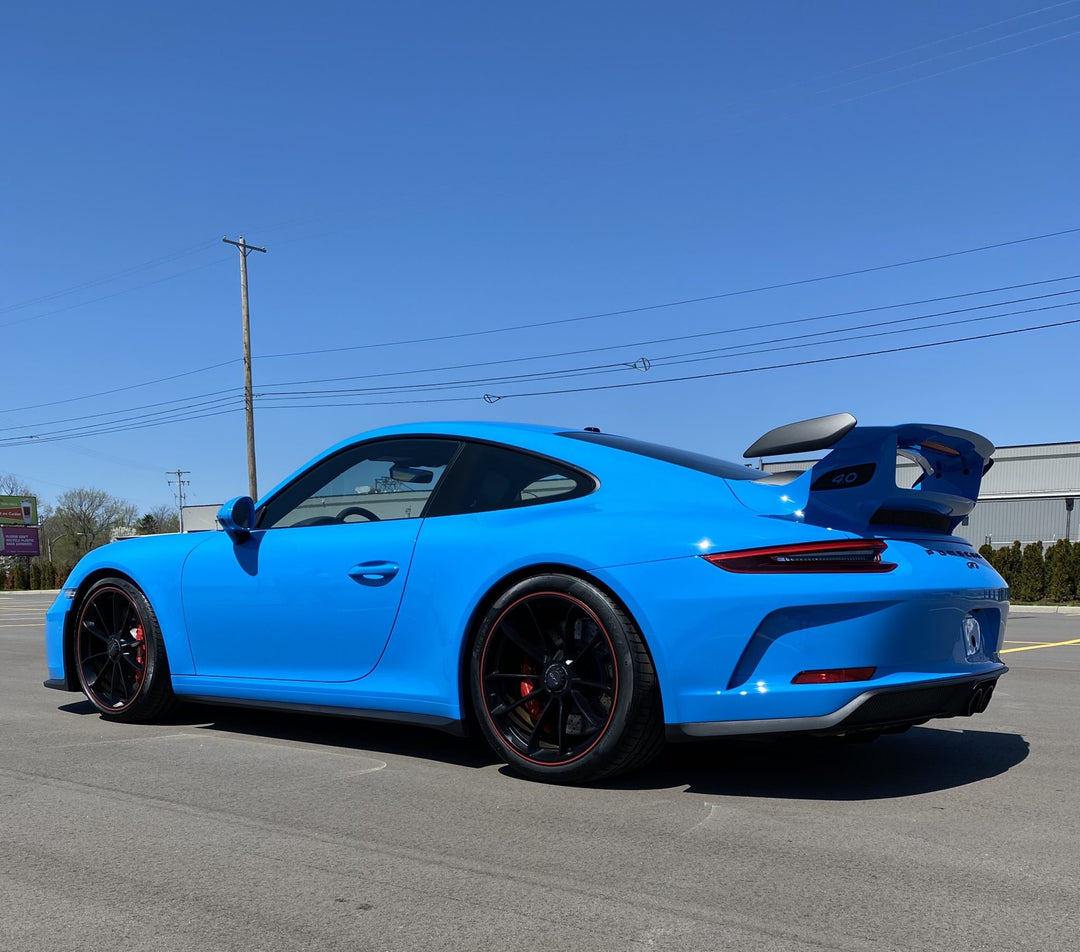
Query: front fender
[(153, 563)]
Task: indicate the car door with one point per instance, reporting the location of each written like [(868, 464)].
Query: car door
[(313, 593)]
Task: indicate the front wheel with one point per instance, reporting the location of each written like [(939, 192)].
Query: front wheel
[(562, 683), (120, 654)]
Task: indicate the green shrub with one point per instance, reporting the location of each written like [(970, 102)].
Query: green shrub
[(1031, 579), (1060, 572), (20, 577), (1007, 562)]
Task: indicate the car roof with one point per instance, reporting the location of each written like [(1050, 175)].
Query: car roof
[(477, 429), (605, 462)]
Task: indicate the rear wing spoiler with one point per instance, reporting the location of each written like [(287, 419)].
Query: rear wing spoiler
[(855, 487)]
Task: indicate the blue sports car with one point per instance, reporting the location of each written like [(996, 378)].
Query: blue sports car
[(576, 596)]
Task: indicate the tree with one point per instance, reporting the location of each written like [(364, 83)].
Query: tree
[(20, 576), (1060, 572), (11, 485), (1031, 581), (82, 520), (1008, 563), (159, 519)]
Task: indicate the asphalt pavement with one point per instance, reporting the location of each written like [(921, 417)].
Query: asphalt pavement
[(225, 829)]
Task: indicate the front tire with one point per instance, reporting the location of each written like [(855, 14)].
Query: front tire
[(562, 683), (120, 653)]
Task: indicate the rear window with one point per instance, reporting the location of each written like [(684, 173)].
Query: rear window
[(698, 461)]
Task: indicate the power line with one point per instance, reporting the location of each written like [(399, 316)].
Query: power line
[(797, 363), (802, 338), (232, 394), (495, 398), (188, 412), (667, 340), (680, 303), (966, 49), (62, 436), (802, 84), (588, 317), (106, 297), (710, 354), (96, 282), (702, 358), (133, 386), (200, 403), (957, 36), (110, 426), (953, 69)]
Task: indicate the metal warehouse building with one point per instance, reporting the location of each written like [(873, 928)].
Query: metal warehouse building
[(1028, 495)]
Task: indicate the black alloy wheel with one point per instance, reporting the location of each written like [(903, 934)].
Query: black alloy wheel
[(563, 684), (120, 654)]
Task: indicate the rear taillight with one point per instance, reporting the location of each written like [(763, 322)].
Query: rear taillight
[(833, 676), (843, 555)]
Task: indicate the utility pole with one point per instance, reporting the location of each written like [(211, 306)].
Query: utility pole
[(249, 402), (180, 484)]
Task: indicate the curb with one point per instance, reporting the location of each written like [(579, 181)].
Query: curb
[(1044, 609), (30, 591)]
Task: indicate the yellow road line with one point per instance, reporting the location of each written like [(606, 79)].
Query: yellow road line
[(1054, 644)]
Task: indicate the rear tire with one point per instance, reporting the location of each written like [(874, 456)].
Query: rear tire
[(120, 653), (562, 683)]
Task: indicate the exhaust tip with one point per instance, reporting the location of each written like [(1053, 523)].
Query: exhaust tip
[(980, 697)]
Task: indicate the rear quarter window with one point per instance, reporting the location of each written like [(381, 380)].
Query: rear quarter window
[(486, 477)]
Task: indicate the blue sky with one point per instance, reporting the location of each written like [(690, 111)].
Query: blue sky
[(420, 170)]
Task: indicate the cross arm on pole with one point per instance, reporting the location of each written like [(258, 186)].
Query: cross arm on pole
[(243, 245)]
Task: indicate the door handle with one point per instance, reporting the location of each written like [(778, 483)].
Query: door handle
[(374, 573)]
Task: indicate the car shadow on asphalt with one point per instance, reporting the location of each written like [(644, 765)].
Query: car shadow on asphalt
[(348, 733), (921, 760), (343, 733)]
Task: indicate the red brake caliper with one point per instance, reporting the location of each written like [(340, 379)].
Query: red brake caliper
[(535, 707), (140, 651)]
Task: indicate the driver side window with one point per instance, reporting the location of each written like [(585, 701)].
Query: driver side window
[(370, 482)]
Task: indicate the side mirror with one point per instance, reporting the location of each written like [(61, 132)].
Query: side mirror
[(237, 518)]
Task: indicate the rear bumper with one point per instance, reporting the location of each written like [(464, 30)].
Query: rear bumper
[(875, 709), (728, 648)]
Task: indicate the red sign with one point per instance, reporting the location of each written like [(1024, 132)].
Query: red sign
[(19, 540)]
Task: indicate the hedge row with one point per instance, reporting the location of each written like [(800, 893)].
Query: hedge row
[(1034, 575), (36, 574)]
